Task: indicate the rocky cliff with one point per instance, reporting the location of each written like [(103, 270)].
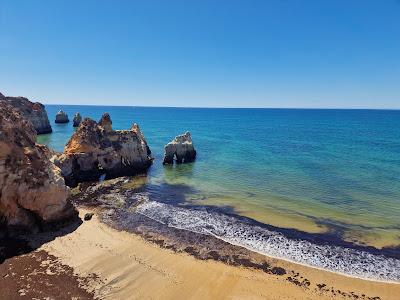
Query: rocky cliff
[(32, 190), (181, 149), (95, 150), (34, 112)]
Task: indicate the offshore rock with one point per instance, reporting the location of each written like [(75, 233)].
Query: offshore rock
[(96, 150), (34, 112), (61, 117), (32, 190), (181, 149), (77, 120)]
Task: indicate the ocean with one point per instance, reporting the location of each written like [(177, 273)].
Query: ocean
[(317, 177)]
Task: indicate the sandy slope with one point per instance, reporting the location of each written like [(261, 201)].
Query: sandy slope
[(132, 268)]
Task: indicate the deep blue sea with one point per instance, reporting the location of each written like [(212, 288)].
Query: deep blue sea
[(317, 171)]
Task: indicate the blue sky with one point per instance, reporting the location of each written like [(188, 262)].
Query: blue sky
[(276, 53)]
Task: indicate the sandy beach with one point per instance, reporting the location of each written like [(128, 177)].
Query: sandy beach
[(112, 264)]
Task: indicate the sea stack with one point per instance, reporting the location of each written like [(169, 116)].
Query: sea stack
[(32, 189), (180, 149), (61, 117), (77, 120), (31, 111), (95, 150)]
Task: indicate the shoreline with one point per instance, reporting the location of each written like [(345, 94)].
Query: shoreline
[(321, 269), (99, 261), (126, 206), (109, 240), (292, 261)]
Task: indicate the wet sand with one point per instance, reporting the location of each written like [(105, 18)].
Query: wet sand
[(121, 265)]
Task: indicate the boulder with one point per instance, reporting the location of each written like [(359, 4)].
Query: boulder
[(77, 120), (61, 117), (34, 112), (96, 150), (180, 149), (32, 190)]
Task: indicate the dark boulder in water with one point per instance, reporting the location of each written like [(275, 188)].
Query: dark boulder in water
[(180, 149)]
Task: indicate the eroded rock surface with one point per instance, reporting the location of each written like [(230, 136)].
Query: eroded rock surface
[(32, 190), (180, 149), (96, 150), (61, 117), (34, 112), (77, 120)]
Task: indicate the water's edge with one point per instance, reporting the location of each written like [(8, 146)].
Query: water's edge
[(351, 262)]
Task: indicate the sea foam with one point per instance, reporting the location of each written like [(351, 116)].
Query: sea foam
[(352, 262)]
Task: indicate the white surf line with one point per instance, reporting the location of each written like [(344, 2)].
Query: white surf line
[(366, 277)]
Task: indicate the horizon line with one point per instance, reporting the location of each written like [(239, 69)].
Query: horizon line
[(220, 107)]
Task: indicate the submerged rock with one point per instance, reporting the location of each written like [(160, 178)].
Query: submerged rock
[(34, 112), (32, 190), (181, 149), (61, 117), (95, 150), (77, 120)]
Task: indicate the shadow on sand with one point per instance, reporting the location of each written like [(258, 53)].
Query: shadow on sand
[(15, 245)]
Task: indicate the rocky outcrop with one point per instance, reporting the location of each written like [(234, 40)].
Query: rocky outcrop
[(105, 122), (32, 190), (96, 150), (34, 112), (77, 120), (61, 117), (180, 149)]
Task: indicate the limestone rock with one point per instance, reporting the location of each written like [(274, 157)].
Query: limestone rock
[(77, 120), (181, 149), (106, 122), (34, 112), (32, 190), (61, 117), (95, 150)]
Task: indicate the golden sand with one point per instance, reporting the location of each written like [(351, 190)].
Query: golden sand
[(128, 267)]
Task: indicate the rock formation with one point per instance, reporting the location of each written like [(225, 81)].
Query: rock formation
[(32, 190), (61, 117), (77, 120), (34, 112), (181, 149), (105, 122), (95, 150)]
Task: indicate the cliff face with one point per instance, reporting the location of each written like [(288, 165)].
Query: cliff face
[(32, 190), (95, 150), (34, 112), (181, 149)]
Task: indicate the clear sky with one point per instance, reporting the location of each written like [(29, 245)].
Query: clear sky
[(267, 53)]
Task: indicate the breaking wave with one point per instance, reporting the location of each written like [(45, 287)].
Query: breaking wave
[(348, 261)]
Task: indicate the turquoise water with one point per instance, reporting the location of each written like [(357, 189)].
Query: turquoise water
[(318, 171)]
